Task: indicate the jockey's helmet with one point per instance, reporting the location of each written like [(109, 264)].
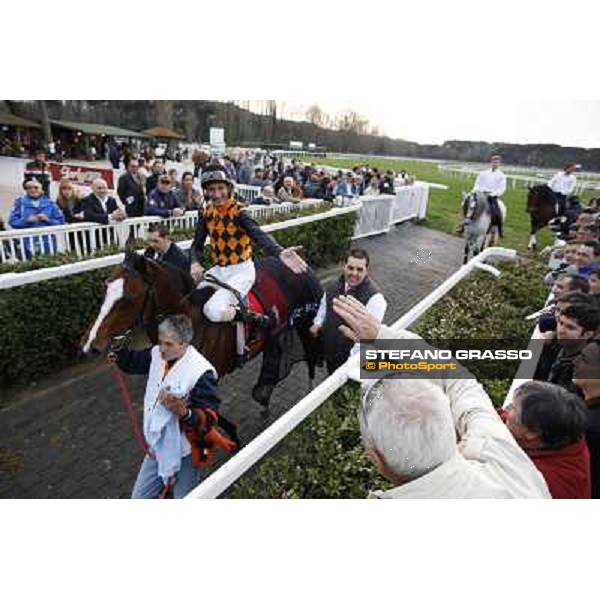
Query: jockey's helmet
[(217, 175)]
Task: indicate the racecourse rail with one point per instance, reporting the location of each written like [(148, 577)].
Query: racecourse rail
[(236, 466), (586, 181)]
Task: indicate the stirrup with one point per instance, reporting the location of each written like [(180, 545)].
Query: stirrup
[(254, 318)]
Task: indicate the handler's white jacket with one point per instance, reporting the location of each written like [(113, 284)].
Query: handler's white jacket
[(488, 462), (161, 426)]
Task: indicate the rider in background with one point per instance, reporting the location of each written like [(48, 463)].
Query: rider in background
[(231, 231), (563, 185), (492, 181)]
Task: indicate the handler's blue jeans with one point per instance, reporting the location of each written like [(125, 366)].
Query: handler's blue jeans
[(149, 485)]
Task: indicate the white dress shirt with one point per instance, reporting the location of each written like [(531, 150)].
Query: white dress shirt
[(492, 182), (562, 183)]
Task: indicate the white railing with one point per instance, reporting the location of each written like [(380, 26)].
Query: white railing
[(84, 239), (380, 213), (248, 192), (250, 454), (10, 280), (515, 179)]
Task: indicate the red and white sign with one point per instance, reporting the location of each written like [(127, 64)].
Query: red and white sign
[(81, 175)]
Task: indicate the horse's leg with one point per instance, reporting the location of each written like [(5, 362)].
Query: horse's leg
[(466, 254), (532, 245)]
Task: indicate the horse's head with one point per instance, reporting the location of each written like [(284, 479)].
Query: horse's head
[(135, 293)]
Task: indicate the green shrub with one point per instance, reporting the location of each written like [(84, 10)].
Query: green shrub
[(42, 323), (324, 458)]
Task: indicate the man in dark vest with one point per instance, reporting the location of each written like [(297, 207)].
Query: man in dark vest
[(354, 281)]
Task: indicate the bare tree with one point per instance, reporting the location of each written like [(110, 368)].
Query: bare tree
[(45, 122), (315, 115), (164, 113)]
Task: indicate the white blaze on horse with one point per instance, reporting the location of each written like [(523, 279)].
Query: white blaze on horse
[(114, 292), (480, 230)]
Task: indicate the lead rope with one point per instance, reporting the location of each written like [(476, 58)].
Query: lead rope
[(137, 432)]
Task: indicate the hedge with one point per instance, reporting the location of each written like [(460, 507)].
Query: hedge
[(42, 323), (324, 457)]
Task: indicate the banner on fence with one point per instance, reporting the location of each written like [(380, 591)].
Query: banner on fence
[(81, 175)]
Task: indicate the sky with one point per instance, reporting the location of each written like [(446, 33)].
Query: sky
[(497, 119)]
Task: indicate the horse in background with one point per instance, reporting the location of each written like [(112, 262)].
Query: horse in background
[(480, 231), (542, 206), (142, 291)]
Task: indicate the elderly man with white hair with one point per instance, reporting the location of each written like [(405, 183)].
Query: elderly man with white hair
[(100, 206), (285, 193), (436, 438), (180, 409)]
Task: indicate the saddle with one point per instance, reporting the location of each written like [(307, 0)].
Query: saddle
[(251, 322)]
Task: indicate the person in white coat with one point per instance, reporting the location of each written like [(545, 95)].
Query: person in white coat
[(181, 391), (437, 438)]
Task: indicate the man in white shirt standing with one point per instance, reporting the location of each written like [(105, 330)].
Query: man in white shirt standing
[(492, 182), (355, 282), (563, 185)]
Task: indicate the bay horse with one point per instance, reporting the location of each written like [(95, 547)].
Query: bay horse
[(480, 232), (542, 206), (141, 291)]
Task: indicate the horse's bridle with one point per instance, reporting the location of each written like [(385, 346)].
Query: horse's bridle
[(118, 341)]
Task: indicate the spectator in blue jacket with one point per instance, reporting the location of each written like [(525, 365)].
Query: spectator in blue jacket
[(587, 258), (163, 201), (344, 186), (32, 210)]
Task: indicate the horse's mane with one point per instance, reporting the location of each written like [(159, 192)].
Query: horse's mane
[(182, 280)]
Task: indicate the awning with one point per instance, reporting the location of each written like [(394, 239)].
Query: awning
[(164, 132), (97, 129), (14, 121)]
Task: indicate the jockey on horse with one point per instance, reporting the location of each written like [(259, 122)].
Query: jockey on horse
[(231, 230), (563, 185), (493, 183)]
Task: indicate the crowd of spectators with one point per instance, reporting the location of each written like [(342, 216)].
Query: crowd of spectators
[(148, 188)]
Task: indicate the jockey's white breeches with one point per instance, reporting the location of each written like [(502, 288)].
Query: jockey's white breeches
[(221, 306)]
